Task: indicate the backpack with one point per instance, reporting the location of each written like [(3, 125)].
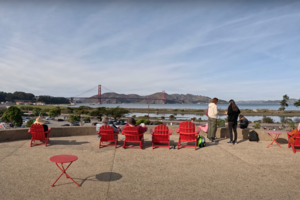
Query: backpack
[(253, 136), (201, 141), (206, 112)]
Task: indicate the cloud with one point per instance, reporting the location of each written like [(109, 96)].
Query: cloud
[(225, 50)]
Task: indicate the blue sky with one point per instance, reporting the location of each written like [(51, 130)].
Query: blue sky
[(242, 50)]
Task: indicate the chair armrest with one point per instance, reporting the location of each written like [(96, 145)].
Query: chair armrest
[(151, 131), (177, 130), (29, 131), (170, 131), (98, 133), (49, 129)]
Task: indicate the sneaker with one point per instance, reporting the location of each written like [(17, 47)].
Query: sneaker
[(98, 136), (236, 143), (229, 142), (213, 140)]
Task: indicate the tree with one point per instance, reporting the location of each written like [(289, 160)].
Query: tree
[(29, 122), (297, 103), (55, 112), (283, 102), (36, 111), (117, 112), (267, 120), (99, 112), (73, 118), (13, 115), (172, 117)]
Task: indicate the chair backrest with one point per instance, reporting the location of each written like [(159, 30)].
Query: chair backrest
[(37, 132), (161, 133), (106, 132), (131, 133), (161, 130), (186, 127)]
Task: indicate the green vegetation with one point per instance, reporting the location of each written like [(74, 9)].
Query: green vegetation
[(73, 118), (297, 103), (53, 100), (99, 112), (267, 120), (220, 122), (29, 122), (2, 110), (87, 120), (117, 112), (36, 111), (145, 121), (291, 124), (55, 112), (162, 117), (16, 96), (172, 117), (257, 125), (283, 102), (13, 115)]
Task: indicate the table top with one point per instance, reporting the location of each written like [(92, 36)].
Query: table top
[(274, 132), (63, 158)]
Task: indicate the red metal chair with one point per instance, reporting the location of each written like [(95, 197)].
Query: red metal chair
[(132, 135), (107, 135), (296, 144), (38, 133), (187, 133), (161, 134)]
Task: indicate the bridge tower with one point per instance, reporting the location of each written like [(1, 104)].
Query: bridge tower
[(99, 94), (163, 97)]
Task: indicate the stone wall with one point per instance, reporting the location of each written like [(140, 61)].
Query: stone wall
[(22, 134)]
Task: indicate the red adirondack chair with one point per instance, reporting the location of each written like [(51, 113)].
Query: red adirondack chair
[(187, 133), (297, 142), (107, 135), (38, 133), (132, 135), (161, 134)]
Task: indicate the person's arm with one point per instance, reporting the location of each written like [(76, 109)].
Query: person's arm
[(229, 110), (142, 129), (246, 122), (45, 127), (115, 129), (216, 110)]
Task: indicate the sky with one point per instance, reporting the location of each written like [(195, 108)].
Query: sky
[(241, 50)]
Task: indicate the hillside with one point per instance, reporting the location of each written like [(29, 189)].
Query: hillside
[(152, 99)]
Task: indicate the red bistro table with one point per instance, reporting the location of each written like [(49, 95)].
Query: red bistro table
[(274, 138), (63, 159)]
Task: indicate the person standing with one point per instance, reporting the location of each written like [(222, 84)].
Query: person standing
[(243, 122), (212, 119), (233, 113)]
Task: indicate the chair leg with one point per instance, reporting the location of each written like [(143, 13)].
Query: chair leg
[(100, 144), (293, 147), (31, 143)]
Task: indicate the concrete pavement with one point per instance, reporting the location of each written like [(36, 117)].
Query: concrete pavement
[(248, 170)]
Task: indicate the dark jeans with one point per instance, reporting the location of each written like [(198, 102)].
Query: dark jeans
[(232, 125)]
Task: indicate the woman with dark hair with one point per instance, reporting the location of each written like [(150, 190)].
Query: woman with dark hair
[(233, 113), (212, 119)]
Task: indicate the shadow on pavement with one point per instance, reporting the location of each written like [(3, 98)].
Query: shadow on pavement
[(65, 142)]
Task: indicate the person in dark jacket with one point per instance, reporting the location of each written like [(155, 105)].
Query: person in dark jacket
[(233, 114), (243, 122)]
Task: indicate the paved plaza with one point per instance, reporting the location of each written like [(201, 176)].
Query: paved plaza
[(248, 170)]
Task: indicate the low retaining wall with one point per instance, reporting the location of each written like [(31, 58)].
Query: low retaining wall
[(22, 134)]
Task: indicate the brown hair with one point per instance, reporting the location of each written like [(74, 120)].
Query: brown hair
[(215, 100)]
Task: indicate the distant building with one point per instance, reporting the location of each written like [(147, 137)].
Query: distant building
[(40, 103), (20, 103), (28, 103)]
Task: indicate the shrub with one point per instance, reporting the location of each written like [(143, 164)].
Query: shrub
[(267, 120), (87, 120), (193, 118), (162, 117), (257, 121), (145, 121), (257, 125), (220, 122), (172, 117), (29, 122)]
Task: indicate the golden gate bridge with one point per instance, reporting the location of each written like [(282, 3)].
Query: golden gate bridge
[(99, 96)]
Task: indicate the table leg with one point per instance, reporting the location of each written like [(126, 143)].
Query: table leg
[(64, 172), (274, 140)]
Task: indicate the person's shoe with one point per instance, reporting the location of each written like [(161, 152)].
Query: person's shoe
[(236, 143), (214, 140), (229, 142), (233, 142), (98, 136)]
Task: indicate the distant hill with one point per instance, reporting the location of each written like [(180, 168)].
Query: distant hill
[(129, 98), (290, 101)]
